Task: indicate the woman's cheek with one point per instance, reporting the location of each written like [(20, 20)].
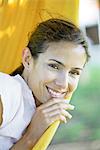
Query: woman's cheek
[(74, 84), (49, 75)]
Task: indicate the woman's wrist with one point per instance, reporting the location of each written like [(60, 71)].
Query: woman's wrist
[(27, 142)]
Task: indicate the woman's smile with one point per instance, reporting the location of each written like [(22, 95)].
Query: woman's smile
[(55, 93)]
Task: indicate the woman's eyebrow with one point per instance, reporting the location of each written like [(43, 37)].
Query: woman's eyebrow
[(57, 62), (78, 68), (64, 65)]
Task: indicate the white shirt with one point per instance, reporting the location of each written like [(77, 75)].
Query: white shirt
[(18, 109)]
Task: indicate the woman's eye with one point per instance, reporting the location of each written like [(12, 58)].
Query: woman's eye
[(54, 66), (76, 73)]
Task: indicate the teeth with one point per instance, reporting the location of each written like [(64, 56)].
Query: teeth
[(55, 94)]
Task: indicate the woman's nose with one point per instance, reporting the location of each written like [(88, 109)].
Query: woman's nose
[(62, 82)]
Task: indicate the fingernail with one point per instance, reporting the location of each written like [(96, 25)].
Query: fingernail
[(72, 107), (67, 101), (70, 116), (65, 121)]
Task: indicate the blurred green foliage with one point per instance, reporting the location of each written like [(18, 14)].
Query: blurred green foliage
[(85, 124)]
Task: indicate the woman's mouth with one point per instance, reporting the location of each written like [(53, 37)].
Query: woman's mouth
[(54, 93)]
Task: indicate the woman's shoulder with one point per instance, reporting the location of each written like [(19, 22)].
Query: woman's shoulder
[(6, 78), (10, 95), (8, 83), (9, 87)]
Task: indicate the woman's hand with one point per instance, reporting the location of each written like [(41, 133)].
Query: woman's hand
[(46, 114), (52, 110)]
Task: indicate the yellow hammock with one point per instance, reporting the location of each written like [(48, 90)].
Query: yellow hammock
[(17, 19)]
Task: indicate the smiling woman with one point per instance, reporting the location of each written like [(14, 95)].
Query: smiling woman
[(50, 71), (58, 73)]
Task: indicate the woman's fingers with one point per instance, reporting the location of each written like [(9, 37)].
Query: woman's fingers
[(56, 103), (55, 109), (57, 117), (62, 115), (58, 106), (51, 102), (60, 112)]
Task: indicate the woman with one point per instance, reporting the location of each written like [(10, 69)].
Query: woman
[(33, 97)]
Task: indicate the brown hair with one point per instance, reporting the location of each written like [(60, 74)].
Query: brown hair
[(53, 30)]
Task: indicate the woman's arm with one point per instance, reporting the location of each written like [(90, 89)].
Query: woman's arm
[(25, 143), (44, 116)]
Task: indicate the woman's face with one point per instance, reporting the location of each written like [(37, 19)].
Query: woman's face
[(56, 72)]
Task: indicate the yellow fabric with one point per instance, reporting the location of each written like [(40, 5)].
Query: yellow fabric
[(17, 19), (46, 138)]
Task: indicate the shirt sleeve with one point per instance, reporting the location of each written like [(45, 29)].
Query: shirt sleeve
[(10, 92)]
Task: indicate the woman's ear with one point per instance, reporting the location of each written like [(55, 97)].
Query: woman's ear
[(26, 58)]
